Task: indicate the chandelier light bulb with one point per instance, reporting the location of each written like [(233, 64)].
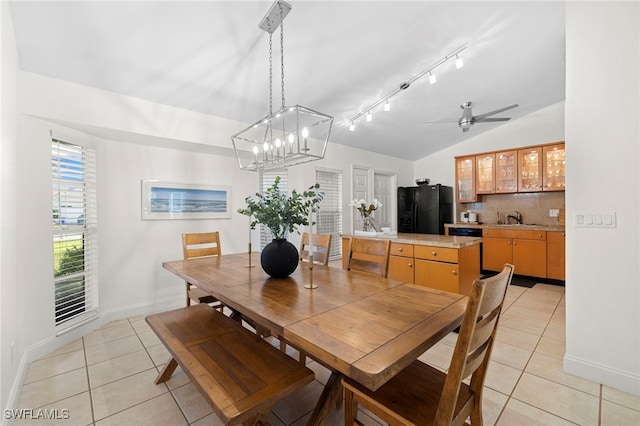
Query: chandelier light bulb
[(387, 105), (278, 143), (256, 149), (305, 132), (459, 63), (369, 116), (291, 138), (265, 147), (432, 78)]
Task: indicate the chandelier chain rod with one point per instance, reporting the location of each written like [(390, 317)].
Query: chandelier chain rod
[(282, 55)]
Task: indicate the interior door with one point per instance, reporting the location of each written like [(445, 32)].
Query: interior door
[(360, 192), (382, 190)]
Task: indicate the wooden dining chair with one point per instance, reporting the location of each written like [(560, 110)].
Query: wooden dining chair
[(322, 244), (423, 395), (195, 245), (369, 255)]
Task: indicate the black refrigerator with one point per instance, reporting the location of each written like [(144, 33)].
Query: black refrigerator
[(424, 209)]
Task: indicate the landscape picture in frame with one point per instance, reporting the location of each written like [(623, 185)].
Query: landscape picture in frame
[(166, 200)]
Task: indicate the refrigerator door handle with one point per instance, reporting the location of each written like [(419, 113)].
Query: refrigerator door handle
[(414, 214)]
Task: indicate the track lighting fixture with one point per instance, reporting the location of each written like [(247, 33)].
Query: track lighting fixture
[(405, 85)]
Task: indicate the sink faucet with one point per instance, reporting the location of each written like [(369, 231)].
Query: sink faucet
[(516, 216)]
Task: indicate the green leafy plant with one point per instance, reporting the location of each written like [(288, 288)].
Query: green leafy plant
[(280, 212)]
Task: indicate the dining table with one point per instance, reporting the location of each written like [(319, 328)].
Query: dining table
[(356, 324)]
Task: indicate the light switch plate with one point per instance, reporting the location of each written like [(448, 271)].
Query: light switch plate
[(554, 212), (590, 219)]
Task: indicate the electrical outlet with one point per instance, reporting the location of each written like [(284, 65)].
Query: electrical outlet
[(554, 212)]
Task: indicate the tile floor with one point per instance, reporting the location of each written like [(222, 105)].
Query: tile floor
[(106, 378)]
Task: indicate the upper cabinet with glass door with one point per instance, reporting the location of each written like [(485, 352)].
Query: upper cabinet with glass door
[(553, 167), (506, 172), (465, 179), (530, 170), (485, 174)]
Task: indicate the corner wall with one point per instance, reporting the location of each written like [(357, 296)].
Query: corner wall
[(602, 143)]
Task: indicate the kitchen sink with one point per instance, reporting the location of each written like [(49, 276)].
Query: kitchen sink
[(512, 225)]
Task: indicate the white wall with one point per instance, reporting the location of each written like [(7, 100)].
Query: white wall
[(602, 142), (9, 307)]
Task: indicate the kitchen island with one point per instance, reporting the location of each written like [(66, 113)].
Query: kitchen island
[(443, 262)]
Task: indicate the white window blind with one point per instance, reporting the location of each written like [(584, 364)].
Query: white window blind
[(329, 218), (75, 247), (266, 180)]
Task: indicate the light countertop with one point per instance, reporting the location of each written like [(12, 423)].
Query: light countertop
[(424, 239), (523, 227)]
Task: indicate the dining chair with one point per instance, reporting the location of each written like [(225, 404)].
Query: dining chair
[(322, 244), (369, 255), (423, 395), (195, 245)]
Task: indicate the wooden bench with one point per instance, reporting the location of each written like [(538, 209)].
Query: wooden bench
[(241, 375)]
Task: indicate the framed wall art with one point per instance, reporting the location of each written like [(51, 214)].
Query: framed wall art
[(169, 200)]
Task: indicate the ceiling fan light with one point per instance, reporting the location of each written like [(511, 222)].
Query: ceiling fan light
[(459, 63), (432, 78), (369, 116)]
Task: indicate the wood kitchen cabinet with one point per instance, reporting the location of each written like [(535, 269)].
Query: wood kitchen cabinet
[(401, 263), (486, 174), (447, 269), (556, 255), (530, 169), (526, 250), (466, 179), (506, 172), (553, 174)]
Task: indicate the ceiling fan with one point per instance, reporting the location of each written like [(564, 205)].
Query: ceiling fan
[(468, 119)]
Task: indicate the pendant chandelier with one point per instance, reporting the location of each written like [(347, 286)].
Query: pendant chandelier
[(289, 136)]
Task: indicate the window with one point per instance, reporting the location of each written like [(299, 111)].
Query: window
[(330, 212), (75, 270), (267, 179)]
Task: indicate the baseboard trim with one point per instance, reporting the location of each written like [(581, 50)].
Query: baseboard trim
[(599, 373)]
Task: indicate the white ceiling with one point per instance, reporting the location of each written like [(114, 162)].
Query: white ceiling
[(211, 57)]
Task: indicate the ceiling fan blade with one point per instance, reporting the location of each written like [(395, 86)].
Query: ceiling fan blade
[(486, 114), (488, 119), (439, 122)]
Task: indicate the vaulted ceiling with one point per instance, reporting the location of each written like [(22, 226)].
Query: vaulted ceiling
[(340, 57)]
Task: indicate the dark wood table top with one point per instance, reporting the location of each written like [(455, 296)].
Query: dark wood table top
[(357, 324)]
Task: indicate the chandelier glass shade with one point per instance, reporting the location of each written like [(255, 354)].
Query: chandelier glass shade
[(290, 136)]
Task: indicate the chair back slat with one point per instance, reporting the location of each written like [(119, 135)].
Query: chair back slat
[(369, 255), (201, 244), (322, 244)]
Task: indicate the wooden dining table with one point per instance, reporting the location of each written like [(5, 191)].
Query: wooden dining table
[(358, 325)]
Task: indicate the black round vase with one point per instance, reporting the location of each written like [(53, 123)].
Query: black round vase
[(279, 258)]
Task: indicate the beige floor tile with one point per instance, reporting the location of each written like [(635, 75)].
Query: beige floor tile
[(502, 378), (512, 356), (161, 410), (149, 339), (516, 338), (542, 304), (551, 347), (213, 420), (72, 411), (526, 326), (116, 323), (551, 369), (191, 402), (616, 415), (113, 349), (140, 326), (298, 403), (125, 393), (621, 398), (557, 399), (492, 404), (556, 331), (322, 373), (517, 413), (53, 389), (117, 368), (107, 334), (439, 355), (71, 347), (159, 354), (178, 378), (515, 291), (54, 365), (519, 312)]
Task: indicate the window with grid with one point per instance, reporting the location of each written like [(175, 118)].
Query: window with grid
[(329, 217), (75, 247), (266, 180)]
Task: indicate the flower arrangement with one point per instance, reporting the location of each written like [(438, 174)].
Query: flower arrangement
[(364, 208), (280, 212)]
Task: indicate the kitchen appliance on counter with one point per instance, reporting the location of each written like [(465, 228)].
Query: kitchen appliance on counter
[(424, 209)]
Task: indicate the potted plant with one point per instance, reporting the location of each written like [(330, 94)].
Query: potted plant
[(282, 214)]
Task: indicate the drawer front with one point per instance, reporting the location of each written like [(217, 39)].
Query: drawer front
[(440, 254), (399, 249), (438, 275), (401, 268), (515, 233)]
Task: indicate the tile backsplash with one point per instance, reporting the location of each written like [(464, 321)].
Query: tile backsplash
[(534, 207)]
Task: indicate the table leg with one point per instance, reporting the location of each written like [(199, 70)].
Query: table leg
[(328, 399), (167, 371)]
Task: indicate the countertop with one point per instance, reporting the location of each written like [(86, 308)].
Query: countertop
[(522, 227), (424, 239)]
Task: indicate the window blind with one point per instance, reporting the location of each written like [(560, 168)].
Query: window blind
[(73, 173), (329, 218), (267, 179)]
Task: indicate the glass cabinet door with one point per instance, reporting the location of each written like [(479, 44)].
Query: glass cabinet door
[(530, 170), (465, 179), (553, 167), (485, 174), (506, 172)]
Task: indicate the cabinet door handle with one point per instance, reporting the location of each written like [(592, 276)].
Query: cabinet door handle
[(454, 273), (539, 235), (563, 234), (410, 265), (433, 253), (508, 243), (515, 243), (400, 249)]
